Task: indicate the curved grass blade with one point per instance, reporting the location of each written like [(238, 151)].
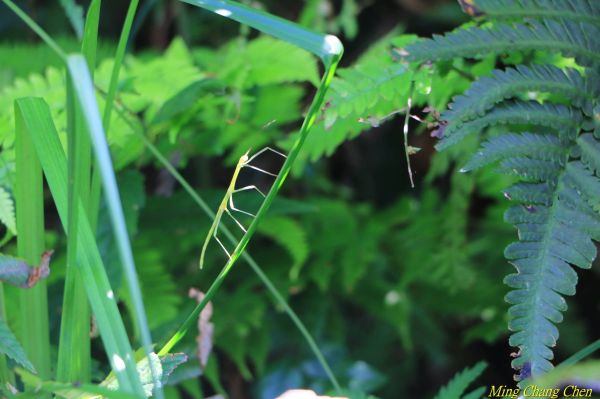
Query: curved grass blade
[(36, 28), (245, 255), (86, 96), (329, 49), (39, 127)]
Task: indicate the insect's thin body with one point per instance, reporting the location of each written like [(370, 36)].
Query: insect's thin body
[(227, 201)]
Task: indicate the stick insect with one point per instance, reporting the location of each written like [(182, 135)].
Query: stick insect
[(227, 204)]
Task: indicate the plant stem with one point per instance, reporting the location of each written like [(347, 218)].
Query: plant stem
[(35, 330)]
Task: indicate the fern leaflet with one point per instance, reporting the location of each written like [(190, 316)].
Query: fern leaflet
[(12, 348), (579, 40), (486, 92), (7, 211), (575, 10), (565, 120), (460, 382)]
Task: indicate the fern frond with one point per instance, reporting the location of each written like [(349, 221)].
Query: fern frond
[(290, 235), (552, 238), (488, 91), (590, 151), (537, 146), (575, 10), (585, 182), (530, 193), (565, 120), (579, 40), (7, 211), (359, 88), (531, 170), (10, 346), (461, 381)]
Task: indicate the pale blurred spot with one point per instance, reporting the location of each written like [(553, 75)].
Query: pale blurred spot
[(305, 394)]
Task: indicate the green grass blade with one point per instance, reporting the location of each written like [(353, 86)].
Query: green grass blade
[(39, 127), (330, 50), (36, 28), (248, 258), (35, 332), (111, 96), (74, 345), (74, 14), (84, 89), (327, 47), (119, 57)]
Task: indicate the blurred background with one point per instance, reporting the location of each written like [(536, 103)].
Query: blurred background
[(401, 287)]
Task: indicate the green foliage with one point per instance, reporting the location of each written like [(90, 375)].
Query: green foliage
[(12, 348), (572, 39), (546, 145), (460, 382), (575, 10), (7, 211)]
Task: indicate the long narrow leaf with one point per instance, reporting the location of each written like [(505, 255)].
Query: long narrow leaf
[(74, 345), (35, 331), (38, 125), (86, 96)]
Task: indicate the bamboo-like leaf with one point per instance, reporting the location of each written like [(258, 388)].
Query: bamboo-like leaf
[(38, 125), (12, 348), (86, 97), (34, 331)]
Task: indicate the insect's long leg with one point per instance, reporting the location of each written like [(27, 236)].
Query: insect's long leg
[(241, 226), (262, 151), (221, 244), (237, 190), (231, 204), (259, 169)]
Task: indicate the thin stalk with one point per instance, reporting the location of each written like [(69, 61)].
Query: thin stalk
[(581, 354), (246, 256), (330, 50), (36, 28), (405, 132), (35, 330), (126, 116), (110, 100)]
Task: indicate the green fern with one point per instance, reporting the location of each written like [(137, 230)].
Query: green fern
[(579, 40), (485, 93), (7, 211), (12, 348), (575, 10), (460, 382), (545, 142), (290, 235), (565, 119)]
